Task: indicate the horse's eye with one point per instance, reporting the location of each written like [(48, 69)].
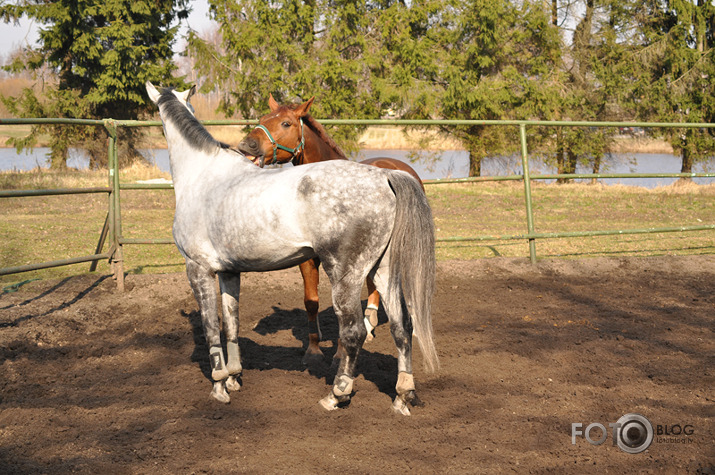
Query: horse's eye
[(286, 124)]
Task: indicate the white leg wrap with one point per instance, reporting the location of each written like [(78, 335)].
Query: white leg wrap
[(370, 321), (405, 382), (371, 315), (340, 393), (343, 386), (234, 358), (218, 365)]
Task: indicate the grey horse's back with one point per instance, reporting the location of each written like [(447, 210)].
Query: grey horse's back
[(413, 258)]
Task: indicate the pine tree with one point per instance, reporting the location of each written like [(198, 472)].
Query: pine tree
[(102, 53), (598, 77), (500, 59), (679, 57), (285, 48), (479, 59)]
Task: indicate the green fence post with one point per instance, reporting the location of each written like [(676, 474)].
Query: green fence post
[(115, 209), (527, 193), (110, 206)]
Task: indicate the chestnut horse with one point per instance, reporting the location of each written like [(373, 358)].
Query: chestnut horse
[(290, 134)]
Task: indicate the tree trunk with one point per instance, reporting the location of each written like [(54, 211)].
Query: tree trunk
[(560, 161), (568, 165), (596, 167), (554, 13), (571, 162), (700, 26), (59, 150), (687, 164), (58, 159), (475, 163)]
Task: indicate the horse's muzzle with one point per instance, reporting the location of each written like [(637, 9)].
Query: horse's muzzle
[(251, 149)]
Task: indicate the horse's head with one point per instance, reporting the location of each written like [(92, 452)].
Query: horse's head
[(183, 97), (279, 134)]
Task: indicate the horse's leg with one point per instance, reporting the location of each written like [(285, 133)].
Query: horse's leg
[(230, 285), (309, 271), (203, 283), (373, 304), (346, 302), (401, 329)]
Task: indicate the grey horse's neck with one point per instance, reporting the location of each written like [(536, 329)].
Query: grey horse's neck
[(191, 146), (194, 133)]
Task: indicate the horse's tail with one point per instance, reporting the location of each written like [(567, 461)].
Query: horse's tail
[(412, 259)]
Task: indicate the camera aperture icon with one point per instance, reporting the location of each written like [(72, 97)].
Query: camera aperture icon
[(634, 433)]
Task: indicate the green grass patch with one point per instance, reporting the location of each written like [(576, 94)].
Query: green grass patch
[(498, 209), (39, 229)]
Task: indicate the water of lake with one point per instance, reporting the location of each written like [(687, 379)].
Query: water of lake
[(443, 164)]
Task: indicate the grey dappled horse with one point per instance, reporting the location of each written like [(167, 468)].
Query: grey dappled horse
[(232, 217)]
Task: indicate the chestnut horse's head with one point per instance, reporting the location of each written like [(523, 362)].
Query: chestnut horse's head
[(279, 134)]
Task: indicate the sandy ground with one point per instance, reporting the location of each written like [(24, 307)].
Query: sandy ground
[(94, 381)]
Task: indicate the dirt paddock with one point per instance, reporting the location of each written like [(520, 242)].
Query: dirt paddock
[(94, 381)]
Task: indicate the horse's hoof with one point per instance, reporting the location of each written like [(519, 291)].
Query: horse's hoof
[(313, 355), (339, 354), (414, 400), (232, 383), (400, 407), (329, 402), (219, 393)]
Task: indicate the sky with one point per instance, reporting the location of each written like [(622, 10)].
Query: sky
[(25, 33)]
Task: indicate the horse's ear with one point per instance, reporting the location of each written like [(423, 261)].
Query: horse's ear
[(272, 103), (302, 110), (186, 95), (153, 92)]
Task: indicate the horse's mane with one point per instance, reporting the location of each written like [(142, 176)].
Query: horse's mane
[(189, 127), (319, 130)]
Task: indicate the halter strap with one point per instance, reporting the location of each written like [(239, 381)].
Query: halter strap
[(295, 151)]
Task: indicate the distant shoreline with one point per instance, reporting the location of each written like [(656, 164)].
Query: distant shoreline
[(381, 138)]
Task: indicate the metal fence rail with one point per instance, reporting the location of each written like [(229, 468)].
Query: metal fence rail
[(109, 190), (113, 225)]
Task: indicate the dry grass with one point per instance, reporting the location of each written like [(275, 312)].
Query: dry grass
[(641, 145), (498, 209), (397, 138), (40, 229), (44, 178)]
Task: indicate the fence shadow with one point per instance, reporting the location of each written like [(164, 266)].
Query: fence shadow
[(48, 292)]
